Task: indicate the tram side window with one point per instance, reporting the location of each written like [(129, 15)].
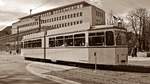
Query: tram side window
[(59, 41), (37, 43), (79, 40), (96, 39), (25, 44), (69, 40), (33, 43), (51, 42), (21, 44), (109, 38)]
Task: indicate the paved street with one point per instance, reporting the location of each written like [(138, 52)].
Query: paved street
[(13, 71)]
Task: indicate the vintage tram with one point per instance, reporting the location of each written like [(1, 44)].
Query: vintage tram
[(101, 44)]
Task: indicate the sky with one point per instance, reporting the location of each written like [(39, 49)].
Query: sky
[(11, 10)]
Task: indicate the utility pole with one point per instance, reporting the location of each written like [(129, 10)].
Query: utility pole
[(17, 46), (45, 33), (39, 18)]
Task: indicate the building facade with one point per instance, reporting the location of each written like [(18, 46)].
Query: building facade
[(61, 17)]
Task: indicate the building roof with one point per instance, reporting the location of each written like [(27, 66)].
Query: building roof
[(107, 26), (82, 2)]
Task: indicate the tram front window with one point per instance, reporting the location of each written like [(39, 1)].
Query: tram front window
[(109, 38), (96, 39), (79, 40), (120, 38)]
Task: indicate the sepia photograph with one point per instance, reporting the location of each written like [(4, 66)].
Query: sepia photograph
[(74, 41)]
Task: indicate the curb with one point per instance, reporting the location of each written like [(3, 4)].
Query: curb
[(50, 77)]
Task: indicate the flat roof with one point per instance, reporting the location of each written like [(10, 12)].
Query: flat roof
[(82, 2)]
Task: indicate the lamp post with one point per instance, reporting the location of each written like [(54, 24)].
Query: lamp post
[(45, 33), (95, 62), (17, 46)]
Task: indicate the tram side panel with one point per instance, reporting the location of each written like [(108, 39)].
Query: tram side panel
[(68, 54), (121, 55), (33, 53), (102, 55)]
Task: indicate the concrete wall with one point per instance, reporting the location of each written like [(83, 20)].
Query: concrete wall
[(98, 19)]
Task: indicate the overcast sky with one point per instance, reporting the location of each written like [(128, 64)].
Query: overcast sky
[(11, 10)]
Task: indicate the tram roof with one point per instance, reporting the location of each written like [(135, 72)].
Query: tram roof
[(107, 27)]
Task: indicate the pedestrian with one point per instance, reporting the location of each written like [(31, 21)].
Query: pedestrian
[(10, 52)]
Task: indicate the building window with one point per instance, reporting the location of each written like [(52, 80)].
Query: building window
[(77, 14), (77, 22), (63, 25), (52, 19), (65, 16), (55, 19), (74, 15), (79, 40), (71, 15), (68, 24), (60, 25), (71, 23), (68, 16), (81, 22), (62, 17), (74, 23), (81, 14)]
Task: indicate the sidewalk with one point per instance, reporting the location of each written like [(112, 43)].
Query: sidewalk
[(142, 61), (73, 75), (139, 58)]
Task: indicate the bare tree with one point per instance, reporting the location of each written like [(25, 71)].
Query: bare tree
[(137, 19)]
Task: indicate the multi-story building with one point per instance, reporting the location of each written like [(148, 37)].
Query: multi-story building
[(61, 17)]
